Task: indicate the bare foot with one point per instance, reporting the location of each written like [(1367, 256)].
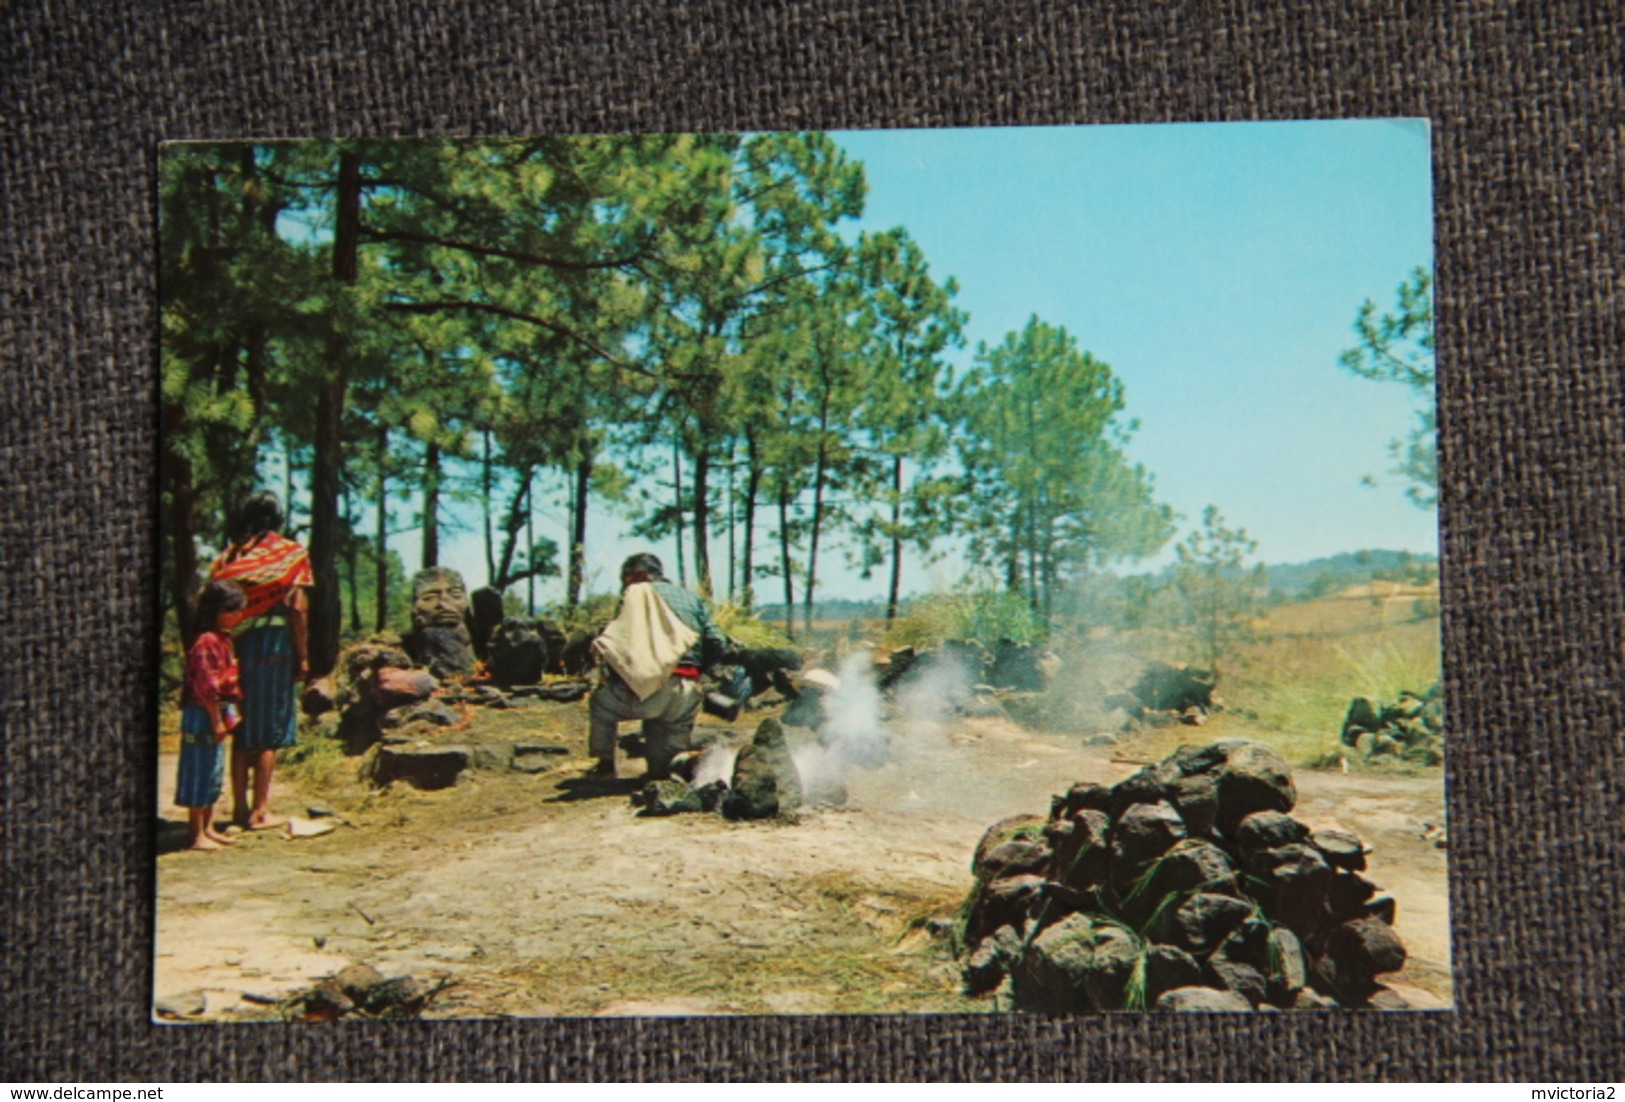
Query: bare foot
[(218, 837), (266, 821), (203, 841)]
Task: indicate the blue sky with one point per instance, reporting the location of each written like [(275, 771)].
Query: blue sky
[(1216, 267)]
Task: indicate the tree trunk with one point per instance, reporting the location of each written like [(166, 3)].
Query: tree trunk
[(485, 506), (381, 547), (819, 471), (530, 536), (323, 625), (677, 508), (702, 520), (431, 506), (784, 560), (182, 529), (352, 552), (747, 565), (894, 590), (578, 524)]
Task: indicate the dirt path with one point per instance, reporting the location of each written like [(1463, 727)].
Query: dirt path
[(539, 896)]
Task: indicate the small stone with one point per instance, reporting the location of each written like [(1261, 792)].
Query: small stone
[(1191, 1000), (186, 1004), (328, 1000), (358, 980), (400, 996)]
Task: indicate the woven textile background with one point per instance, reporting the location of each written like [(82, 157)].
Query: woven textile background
[(1525, 100)]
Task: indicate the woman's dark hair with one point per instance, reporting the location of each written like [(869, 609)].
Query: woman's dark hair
[(259, 513), (217, 597)]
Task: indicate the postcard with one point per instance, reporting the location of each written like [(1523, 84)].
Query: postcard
[(926, 571)]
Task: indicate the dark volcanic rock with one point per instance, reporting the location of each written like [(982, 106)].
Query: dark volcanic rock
[(1143, 833), (1167, 968), (988, 963), (391, 687), (1015, 828), (672, 797), (1082, 850), (328, 1000), (1362, 949), (1243, 979), (537, 757), (1196, 798), (430, 713), (765, 781), (1017, 858), (1341, 849), (1255, 778), (432, 768), (1076, 964), (1296, 881), (1084, 795), (1001, 903), (399, 997), (1190, 865), (1188, 1000), (358, 980), (1201, 923), (518, 653), (1289, 968), (485, 616), (1268, 830)]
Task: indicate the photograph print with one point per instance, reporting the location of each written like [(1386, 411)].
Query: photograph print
[(960, 571)]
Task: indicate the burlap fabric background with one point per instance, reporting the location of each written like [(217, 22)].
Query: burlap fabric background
[(1525, 101)]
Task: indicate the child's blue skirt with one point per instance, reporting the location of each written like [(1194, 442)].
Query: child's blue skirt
[(198, 780)]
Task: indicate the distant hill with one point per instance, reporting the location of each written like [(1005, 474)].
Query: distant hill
[(1287, 581), (1350, 568)]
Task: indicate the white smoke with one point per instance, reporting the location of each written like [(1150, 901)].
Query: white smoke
[(931, 695), (852, 734)]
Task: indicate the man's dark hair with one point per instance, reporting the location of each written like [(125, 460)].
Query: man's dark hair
[(217, 597), (644, 563), (259, 513)]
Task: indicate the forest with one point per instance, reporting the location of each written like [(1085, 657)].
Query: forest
[(691, 331)]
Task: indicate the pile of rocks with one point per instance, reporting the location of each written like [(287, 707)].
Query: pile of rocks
[(360, 991), (1166, 694), (1411, 729), (1185, 886), (762, 783)]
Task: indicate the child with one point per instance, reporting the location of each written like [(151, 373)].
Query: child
[(209, 712)]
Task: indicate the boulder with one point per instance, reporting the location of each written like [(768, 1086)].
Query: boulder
[(1018, 857), (1196, 798), (517, 653), (1289, 968), (391, 687), (429, 713), (1081, 857), (358, 980), (1268, 830), (1080, 963), (1166, 688), (998, 903), (765, 782), (1143, 833), (1189, 1000), (1167, 968), (537, 757), (328, 1000), (1191, 865), (1341, 849), (1016, 666), (988, 963), (1255, 777), (1200, 924), (669, 797), (1296, 883), (485, 616), (378, 653), (431, 768), (1084, 794), (1016, 827), (319, 697), (402, 996), (1243, 979)]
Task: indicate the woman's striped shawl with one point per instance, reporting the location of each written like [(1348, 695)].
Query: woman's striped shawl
[(268, 567)]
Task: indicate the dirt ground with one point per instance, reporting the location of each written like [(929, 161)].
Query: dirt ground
[(545, 894)]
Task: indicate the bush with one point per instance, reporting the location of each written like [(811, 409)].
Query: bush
[(983, 615)]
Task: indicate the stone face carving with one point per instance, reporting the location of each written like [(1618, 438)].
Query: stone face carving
[(440, 638)]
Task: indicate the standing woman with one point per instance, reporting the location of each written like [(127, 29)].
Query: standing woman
[(274, 573)]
